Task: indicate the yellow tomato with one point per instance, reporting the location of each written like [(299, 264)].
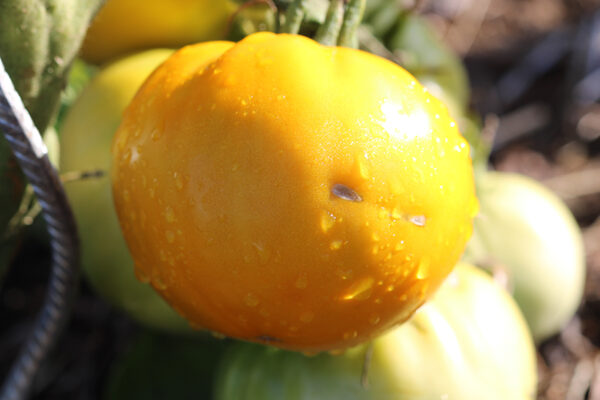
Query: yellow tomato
[(86, 135), (281, 191), (125, 25)]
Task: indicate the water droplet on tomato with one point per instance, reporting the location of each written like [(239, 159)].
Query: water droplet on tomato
[(170, 236), (335, 245), (301, 282), (263, 253), (170, 215), (307, 316), (350, 335), (360, 290), (251, 300), (424, 269), (141, 275), (327, 221), (418, 220), (158, 283), (374, 319)]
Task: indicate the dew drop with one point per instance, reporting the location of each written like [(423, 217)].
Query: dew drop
[(418, 220), (251, 300), (350, 335), (263, 253), (335, 245), (170, 236), (301, 282), (374, 319), (423, 271), (307, 316), (178, 181), (158, 283), (363, 169), (141, 275), (162, 255), (361, 290), (345, 193), (327, 221), (155, 136), (170, 215)]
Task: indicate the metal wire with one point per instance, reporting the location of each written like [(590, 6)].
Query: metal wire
[(31, 154)]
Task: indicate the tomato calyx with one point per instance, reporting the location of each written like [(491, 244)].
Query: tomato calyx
[(331, 23)]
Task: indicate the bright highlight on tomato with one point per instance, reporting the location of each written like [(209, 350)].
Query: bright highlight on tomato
[(279, 191)]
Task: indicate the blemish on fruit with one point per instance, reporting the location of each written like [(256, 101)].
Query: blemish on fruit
[(345, 193)]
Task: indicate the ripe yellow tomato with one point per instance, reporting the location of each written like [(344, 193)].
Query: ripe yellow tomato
[(122, 26), (281, 191), (86, 134)]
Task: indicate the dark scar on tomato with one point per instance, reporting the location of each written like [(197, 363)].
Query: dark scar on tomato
[(345, 193)]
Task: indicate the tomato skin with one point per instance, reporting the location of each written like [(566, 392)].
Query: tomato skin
[(123, 26), (86, 136), (530, 232), (469, 342), (283, 185)]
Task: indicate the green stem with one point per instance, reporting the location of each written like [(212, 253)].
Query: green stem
[(328, 33), (294, 16), (352, 18)]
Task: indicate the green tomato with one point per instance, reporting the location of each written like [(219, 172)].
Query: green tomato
[(86, 136), (469, 342), (528, 230)]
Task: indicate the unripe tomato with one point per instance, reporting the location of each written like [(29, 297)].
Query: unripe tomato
[(470, 342), (286, 192), (527, 230), (122, 26), (86, 135)]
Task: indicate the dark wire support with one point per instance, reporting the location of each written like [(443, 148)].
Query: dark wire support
[(31, 154)]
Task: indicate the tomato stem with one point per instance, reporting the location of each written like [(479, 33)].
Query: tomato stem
[(352, 17), (328, 33), (294, 16)]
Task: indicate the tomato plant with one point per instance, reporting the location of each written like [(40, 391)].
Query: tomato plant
[(528, 231), (123, 26), (86, 135), (469, 342), (281, 191)]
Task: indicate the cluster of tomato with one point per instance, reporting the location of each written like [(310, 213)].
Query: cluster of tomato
[(312, 199)]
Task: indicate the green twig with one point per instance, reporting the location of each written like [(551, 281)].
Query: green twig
[(328, 33), (294, 16), (352, 17)]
